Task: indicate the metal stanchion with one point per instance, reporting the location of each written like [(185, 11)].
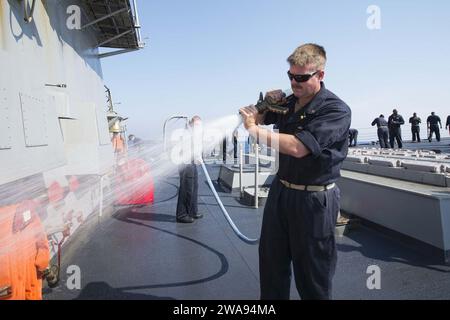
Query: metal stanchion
[(256, 174), (100, 207), (241, 170)]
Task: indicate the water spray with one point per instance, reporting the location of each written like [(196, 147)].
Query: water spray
[(235, 121), (274, 102)]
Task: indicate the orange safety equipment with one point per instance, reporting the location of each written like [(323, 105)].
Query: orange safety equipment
[(24, 252), (118, 143), (55, 192), (74, 184), (134, 183)]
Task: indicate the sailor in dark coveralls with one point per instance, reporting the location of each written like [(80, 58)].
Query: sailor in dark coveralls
[(433, 123), (415, 127), (303, 204), (382, 131), (395, 132), (447, 124), (187, 204), (352, 137)]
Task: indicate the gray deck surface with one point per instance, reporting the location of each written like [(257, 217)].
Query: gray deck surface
[(424, 189), (145, 254)]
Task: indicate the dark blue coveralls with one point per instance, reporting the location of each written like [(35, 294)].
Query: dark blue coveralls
[(298, 226), (352, 137), (187, 204), (395, 132), (434, 121), (415, 128), (382, 131)]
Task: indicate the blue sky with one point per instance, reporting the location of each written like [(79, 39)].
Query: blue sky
[(212, 57)]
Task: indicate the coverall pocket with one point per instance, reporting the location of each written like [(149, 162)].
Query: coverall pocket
[(321, 215)]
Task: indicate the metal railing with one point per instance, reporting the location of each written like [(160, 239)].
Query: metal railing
[(165, 127), (28, 15)]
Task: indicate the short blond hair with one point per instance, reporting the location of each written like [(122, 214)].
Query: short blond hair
[(309, 53)]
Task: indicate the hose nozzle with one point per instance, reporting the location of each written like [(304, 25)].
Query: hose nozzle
[(274, 101)]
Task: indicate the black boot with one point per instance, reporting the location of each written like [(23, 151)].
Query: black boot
[(185, 219)]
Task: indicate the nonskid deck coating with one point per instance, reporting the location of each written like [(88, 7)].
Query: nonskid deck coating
[(145, 254)]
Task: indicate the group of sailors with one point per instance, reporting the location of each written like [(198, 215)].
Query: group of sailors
[(390, 132)]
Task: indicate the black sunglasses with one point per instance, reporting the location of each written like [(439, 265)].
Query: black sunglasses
[(301, 77)]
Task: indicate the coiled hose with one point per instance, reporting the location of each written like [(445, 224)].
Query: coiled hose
[(224, 211)]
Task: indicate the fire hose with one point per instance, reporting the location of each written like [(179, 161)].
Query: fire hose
[(275, 103), (224, 211)]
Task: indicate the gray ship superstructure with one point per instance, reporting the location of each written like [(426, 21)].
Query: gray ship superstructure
[(55, 141)]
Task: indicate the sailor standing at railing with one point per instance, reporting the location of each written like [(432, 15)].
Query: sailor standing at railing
[(187, 204), (415, 127), (433, 123), (395, 121), (382, 131), (303, 203)]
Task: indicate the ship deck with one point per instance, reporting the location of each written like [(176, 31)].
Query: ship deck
[(142, 253)]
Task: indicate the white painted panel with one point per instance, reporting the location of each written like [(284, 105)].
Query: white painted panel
[(34, 117), (61, 104), (102, 126)]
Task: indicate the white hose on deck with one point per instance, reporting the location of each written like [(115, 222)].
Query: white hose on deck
[(224, 211)]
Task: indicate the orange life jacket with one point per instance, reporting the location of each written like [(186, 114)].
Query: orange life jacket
[(24, 252)]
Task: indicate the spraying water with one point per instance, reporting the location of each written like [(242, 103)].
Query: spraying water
[(57, 204), (215, 131)]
